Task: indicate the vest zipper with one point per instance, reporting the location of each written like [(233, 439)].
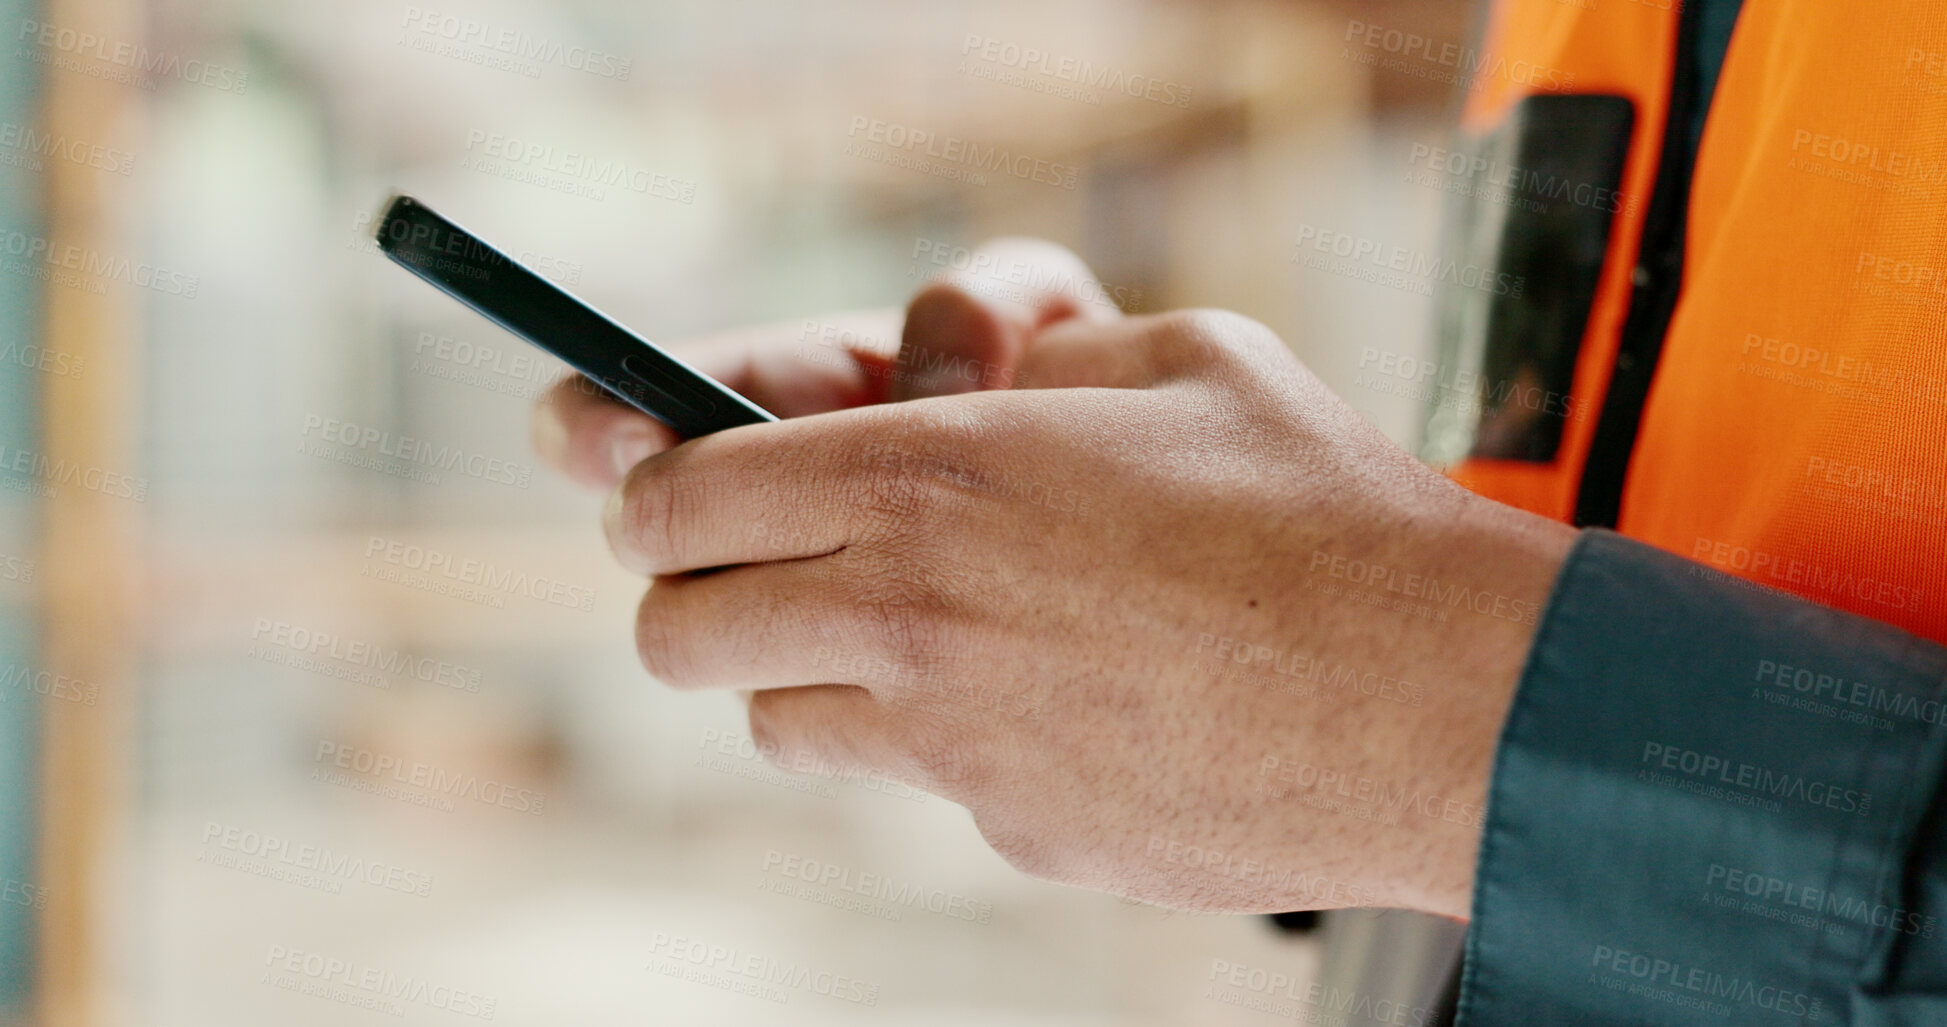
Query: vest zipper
[(1656, 281)]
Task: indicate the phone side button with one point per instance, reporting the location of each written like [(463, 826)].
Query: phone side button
[(688, 398)]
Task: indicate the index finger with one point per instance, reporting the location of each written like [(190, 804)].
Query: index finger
[(790, 368), (746, 495)]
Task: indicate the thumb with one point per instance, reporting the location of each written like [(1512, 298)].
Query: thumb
[(970, 329)]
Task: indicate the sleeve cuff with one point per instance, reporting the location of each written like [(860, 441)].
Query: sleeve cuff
[(1711, 804)]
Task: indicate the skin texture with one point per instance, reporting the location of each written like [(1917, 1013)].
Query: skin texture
[(1169, 618)]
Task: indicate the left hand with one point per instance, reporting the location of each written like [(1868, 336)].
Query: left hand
[(1156, 620)]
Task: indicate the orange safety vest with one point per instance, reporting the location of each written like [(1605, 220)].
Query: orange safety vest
[(1790, 427)]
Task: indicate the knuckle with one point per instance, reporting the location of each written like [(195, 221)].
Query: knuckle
[(949, 291), (902, 628), (901, 494), (923, 467), (767, 731), (658, 501), (941, 753), (1207, 339), (665, 652), (1026, 851), (1224, 327)]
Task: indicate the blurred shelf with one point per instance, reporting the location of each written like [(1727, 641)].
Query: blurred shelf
[(219, 588)]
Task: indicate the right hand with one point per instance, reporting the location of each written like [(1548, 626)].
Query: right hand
[(960, 333)]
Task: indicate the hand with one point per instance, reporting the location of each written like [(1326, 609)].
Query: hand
[(965, 331), (1173, 623)]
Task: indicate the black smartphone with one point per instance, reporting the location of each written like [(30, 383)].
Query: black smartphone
[(635, 370)]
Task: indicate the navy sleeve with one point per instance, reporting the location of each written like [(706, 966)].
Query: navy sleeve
[(1714, 804)]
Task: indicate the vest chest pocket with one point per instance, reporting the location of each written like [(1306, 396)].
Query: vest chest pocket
[(1525, 244)]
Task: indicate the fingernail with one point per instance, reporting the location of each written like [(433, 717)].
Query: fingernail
[(629, 449), (550, 434)]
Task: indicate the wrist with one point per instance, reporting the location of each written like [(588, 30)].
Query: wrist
[(1504, 562)]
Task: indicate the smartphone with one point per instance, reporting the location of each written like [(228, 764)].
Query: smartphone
[(635, 370)]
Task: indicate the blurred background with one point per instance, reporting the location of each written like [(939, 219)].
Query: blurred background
[(271, 753)]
